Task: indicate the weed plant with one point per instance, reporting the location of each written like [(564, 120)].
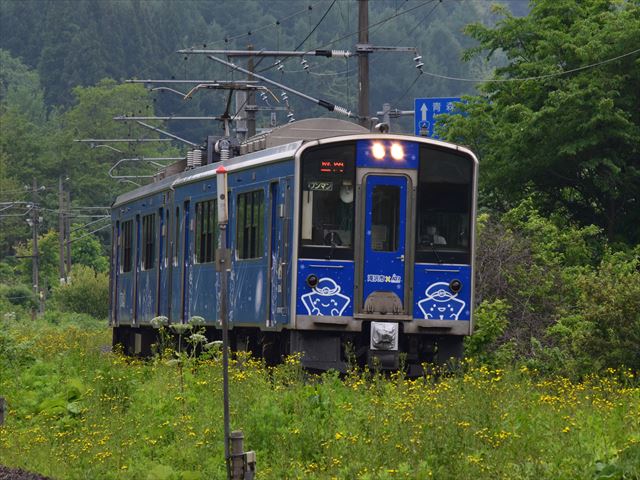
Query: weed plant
[(78, 411)]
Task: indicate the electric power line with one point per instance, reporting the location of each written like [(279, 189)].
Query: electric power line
[(537, 77), (316, 26), (227, 39), (379, 23)]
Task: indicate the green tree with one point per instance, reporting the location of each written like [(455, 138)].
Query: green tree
[(85, 250), (571, 132), (20, 89), (87, 292), (92, 117)]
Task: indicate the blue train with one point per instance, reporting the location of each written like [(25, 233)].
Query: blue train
[(346, 246)]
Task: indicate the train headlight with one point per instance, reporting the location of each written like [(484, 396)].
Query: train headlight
[(377, 150), (397, 152)]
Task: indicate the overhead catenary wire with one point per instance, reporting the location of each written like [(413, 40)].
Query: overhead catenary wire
[(90, 233), (415, 80), (317, 25), (227, 39), (90, 223), (374, 25), (323, 103), (536, 77)]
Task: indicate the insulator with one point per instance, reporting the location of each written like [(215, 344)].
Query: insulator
[(342, 110), (417, 58), (190, 159), (280, 67), (224, 154), (340, 53), (291, 120), (263, 96), (304, 64), (284, 96), (420, 65)]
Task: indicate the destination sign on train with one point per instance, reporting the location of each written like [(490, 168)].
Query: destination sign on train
[(332, 166)]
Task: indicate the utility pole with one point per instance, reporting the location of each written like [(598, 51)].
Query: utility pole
[(61, 229), (363, 62), (67, 231), (251, 100), (35, 256)]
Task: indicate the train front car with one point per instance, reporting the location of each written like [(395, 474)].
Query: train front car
[(385, 241)]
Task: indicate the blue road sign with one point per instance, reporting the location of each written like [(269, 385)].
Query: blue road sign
[(426, 110)]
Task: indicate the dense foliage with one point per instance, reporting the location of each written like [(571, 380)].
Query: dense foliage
[(571, 133)]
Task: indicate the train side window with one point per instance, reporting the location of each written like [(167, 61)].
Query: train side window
[(176, 241), (445, 194), (250, 225), (206, 231), (148, 241), (127, 230), (327, 207)]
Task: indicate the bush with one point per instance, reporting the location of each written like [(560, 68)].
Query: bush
[(87, 292), (490, 322), (18, 295), (602, 330)]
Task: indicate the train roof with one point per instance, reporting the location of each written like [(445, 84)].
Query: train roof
[(280, 143)]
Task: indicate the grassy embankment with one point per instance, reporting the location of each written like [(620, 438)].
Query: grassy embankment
[(78, 412)]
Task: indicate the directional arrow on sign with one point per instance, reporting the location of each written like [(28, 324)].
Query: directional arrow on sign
[(423, 109)]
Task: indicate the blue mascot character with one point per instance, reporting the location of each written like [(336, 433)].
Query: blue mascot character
[(325, 299), (440, 303)]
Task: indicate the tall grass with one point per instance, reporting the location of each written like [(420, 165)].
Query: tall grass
[(78, 411)]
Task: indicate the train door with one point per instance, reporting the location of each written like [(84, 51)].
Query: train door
[(136, 270), (277, 257), (115, 272), (186, 262), (384, 262), (161, 298), (175, 296)]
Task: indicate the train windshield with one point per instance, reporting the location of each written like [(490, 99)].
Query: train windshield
[(445, 187), (327, 202)]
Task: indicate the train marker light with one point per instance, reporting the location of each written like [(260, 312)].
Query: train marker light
[(377, 150), (312, 281), (397, 152), (455, 286)]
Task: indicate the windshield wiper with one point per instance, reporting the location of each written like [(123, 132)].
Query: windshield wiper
[(334, 244), (435, 251)]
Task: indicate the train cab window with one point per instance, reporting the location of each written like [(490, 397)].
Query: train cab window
[(206, 231), (327, 202), (445, 190), (250, 225), (148, 241), (127, 230), (385, 218)]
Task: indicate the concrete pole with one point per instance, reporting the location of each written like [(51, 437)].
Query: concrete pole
[(363, 63), (67, 231), (251, 100), (61, 233), (35, 259)]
